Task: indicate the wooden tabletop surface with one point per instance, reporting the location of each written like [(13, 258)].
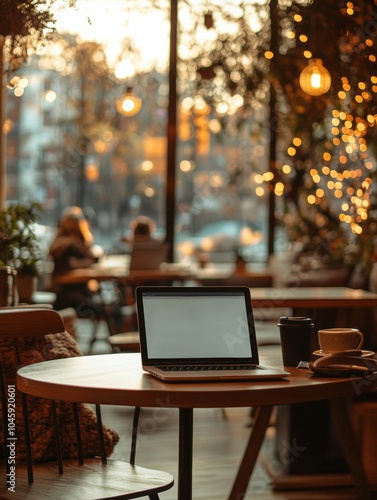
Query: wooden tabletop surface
[(118, 379), (84, 275)]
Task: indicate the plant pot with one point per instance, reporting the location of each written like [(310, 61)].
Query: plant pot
[(26, 286)]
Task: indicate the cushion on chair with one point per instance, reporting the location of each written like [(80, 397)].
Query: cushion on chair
[(54, 346)]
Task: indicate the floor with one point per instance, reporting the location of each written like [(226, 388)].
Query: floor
[(219, 440)]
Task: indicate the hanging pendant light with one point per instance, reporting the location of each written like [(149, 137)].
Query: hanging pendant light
[(129, 104), (315, 79)]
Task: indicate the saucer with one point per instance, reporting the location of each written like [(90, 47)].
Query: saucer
[(338, 370), (364, 354)]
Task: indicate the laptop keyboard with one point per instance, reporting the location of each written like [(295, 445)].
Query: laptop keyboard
[(190, 368)]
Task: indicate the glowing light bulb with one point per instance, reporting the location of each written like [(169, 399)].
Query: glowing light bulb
[(128, 104), (315, 80)]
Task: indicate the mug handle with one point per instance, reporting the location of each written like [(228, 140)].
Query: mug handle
[(361, 340)]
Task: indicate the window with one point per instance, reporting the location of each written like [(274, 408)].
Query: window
[(74, 148)]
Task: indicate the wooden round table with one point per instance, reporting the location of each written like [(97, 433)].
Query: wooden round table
[(118, 379)]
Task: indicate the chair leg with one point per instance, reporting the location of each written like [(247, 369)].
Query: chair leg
[(135, 424), (94, 334), (110, 322)]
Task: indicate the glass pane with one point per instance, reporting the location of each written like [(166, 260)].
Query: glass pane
[(67, 144), (223, 135)]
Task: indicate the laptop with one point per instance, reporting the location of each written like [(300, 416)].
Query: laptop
[(199, 334), (148, 255)]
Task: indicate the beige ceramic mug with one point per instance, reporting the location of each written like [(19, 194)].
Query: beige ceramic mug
[(339, 339)]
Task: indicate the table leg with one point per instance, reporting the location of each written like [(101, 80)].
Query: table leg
[(351, 448), (185, 454), (260, 424)]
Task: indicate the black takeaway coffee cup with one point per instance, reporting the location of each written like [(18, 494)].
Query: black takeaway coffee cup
[(295, 336)]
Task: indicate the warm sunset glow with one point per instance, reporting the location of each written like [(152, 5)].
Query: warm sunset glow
[(95, 20)]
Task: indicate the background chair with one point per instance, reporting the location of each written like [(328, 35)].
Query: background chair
[(78, 472)]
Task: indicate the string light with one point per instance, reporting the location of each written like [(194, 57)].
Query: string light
[(339, 179)]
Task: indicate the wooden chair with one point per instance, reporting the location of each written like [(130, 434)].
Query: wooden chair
[(74, 477)]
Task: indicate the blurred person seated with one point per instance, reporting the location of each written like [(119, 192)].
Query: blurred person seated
[(72, 249), (142, 229), (147, 253)]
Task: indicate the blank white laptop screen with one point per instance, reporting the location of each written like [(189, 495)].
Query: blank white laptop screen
[(198, 326)]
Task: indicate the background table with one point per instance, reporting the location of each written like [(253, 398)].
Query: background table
[(312, 297), (328, 307), (118, 379), (136, 277)]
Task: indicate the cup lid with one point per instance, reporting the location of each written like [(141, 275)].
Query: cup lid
[(295, 320)]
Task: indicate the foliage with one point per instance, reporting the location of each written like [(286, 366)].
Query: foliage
[(24, 24), (327, 154), (326, 150), (19, 246), (323, 241), (227, 60)]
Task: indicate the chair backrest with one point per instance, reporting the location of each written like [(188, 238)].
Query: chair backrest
[(18, 322), (22, 341)]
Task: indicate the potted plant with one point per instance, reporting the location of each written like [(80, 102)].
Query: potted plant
[(19, 247)]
